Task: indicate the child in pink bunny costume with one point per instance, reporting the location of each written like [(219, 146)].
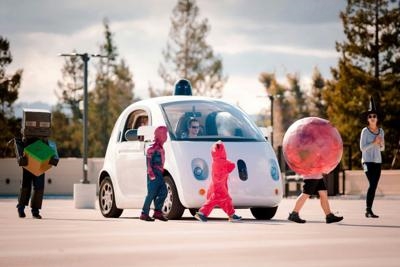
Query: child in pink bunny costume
[(217, 193)]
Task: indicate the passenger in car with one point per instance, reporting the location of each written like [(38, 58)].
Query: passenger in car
[(156, 188), (193, 128)]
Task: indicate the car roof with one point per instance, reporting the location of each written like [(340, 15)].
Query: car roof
[(167, 99)]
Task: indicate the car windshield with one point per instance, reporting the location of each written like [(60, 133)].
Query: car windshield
[(209, 120)]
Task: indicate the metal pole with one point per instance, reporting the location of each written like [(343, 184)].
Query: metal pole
[(85, 57), (271, 98)]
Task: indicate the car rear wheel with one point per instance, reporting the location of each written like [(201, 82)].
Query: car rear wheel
[(107, 200), (264, 213), (172, 208)]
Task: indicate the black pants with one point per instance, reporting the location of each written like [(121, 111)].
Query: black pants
[(373, 174), (29, 180)]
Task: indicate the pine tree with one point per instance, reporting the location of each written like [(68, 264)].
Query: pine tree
[(70, 88), (67, 133), (297, 99), (188, 55), (280, 104), (318, 105), (9, 86), (113, 92), (67, 129), (289, 103), (369, 66)]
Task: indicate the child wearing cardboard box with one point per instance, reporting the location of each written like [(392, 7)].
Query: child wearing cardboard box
[(35, 154)]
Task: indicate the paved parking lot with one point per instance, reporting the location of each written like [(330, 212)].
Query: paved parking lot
[(82, 237)]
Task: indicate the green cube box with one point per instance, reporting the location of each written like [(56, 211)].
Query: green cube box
[(38, 154)]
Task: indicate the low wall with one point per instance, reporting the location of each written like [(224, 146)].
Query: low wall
[(60, 180), (356, 183)]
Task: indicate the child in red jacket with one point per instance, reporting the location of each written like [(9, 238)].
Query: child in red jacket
[(156, 188), (217, 194)]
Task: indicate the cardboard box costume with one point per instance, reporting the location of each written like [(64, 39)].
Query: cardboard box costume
[(35, 154)]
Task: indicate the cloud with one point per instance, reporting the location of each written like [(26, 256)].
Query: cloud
[(280, 36), (278, 49)]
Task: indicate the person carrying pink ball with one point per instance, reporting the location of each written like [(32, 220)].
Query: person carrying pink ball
[(312, 147)]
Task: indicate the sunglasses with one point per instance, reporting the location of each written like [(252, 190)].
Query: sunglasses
[(194, 127), (372, 116)]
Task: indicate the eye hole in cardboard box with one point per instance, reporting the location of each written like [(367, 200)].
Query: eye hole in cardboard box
[(30, 123)]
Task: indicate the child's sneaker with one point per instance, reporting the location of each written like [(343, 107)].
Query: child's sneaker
[(331, 218), (159, 216), (146, 217), (200, 216), (234, 218), (294, 217)]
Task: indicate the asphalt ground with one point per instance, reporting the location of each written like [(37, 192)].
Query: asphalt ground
[(83, 237)]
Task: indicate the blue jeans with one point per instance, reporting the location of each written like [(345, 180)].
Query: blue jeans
[(157, 192)]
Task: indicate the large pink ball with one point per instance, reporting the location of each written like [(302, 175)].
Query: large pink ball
[(312, 146)]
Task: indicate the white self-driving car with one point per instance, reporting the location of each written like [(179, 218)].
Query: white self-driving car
[(255, 182)]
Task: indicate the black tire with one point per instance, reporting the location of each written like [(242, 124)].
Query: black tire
[(264, 213), (172, 208), (193, 211), (107, 200)]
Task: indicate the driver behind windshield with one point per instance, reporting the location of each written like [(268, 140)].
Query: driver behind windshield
[(193, 127)]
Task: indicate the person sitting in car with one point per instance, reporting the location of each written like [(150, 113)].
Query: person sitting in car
[(193, 128)]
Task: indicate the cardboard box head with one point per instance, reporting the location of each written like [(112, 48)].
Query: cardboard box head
[(36, 123)]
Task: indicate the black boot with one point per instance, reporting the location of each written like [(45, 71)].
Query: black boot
[(35, 214), (294, 217), (36, 203), (21, 212), (370, 214), (23, 200), (331, 218)]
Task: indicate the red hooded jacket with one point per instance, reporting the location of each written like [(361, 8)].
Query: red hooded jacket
[(221, 167), (155, 153)]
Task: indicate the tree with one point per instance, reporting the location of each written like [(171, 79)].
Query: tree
[(112, 93), (9, 86), (318, 105), (282, 107), (297, 99), (67, 128), (70, 88), (368, 66), (67, 133), (188, 55)]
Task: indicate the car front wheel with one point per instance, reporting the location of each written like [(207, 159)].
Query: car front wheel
[(172, 208), (107, 200)]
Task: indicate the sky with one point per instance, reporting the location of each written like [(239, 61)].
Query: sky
[(251, 36)]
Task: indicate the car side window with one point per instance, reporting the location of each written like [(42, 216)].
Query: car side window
[(136, 119)]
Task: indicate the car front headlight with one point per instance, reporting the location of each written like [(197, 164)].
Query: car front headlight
[(274, 169), (200, 169)]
